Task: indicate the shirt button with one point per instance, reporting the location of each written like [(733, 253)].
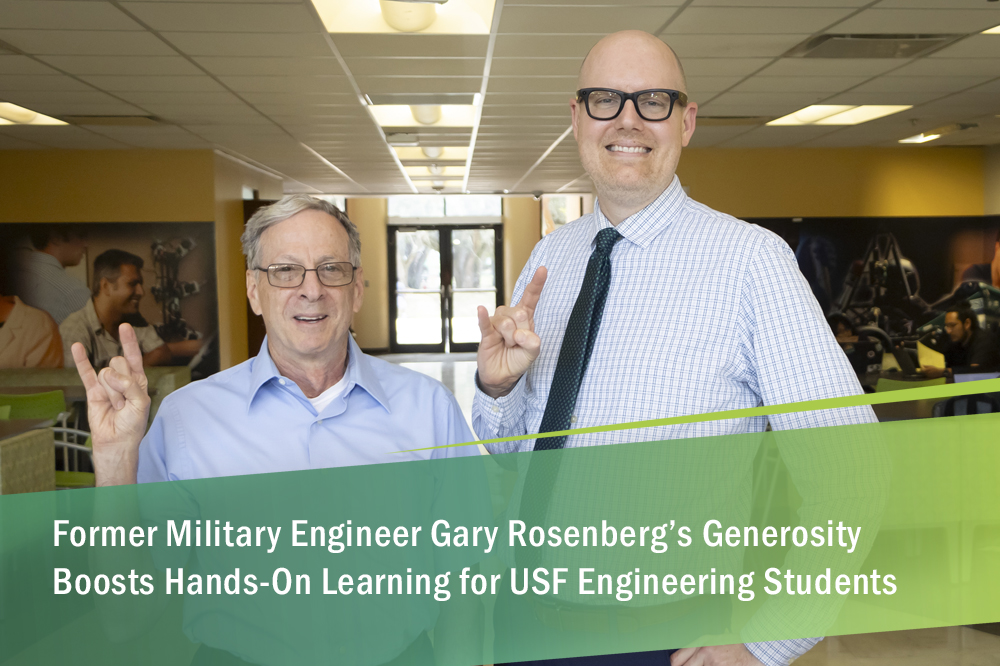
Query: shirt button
[(572, 419), (320, 422), (496, 409), (281, 381)]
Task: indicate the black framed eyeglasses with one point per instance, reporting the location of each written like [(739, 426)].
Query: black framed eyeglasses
[(289, 276), (654, 104)]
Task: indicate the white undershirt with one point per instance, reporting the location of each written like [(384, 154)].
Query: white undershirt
[(321, 401)]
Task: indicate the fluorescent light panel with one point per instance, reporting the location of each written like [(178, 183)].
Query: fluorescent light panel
[(447, 153), (920, 138), (12, 114), (992, 31), (838, 114), (400, 115), (455, 17), (446, 172)]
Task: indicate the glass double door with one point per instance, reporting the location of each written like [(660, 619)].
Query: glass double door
[(438, 276)]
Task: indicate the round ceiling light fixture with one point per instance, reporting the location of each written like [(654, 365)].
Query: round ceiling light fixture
[(426, 114), (410, 15), (433, 152)]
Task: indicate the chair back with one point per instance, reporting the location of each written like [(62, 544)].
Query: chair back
[(4, 412), (47, 405), (886, 384), (963, 405)]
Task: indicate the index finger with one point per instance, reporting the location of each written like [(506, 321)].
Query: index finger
[(529, 299), (84, 368), (130, 347)]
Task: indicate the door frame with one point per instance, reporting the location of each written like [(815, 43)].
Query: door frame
[(444, 241)]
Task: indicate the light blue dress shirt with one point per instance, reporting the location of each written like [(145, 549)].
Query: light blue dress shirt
[(251, 420), (705, 313)]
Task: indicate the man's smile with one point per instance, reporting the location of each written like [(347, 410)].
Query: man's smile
[(617, 148), (310, 319)]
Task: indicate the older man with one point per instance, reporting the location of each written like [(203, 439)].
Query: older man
[(309, 399), (653, 306)]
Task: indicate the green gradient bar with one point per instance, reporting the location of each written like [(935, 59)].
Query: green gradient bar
[(884, 398)]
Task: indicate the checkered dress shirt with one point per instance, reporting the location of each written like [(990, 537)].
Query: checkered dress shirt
[(705, 313)]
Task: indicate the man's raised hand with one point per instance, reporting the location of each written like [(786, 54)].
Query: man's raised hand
[(117, 408), (510, 344)]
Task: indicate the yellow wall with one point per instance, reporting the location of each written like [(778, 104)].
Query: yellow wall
[(106, 186), (522, 229), (831, 182), (230, 177), (371, 324)]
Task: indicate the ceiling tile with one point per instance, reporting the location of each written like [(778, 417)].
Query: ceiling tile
[(134, 65), (940, 84), (563, 85), (85, 42), (10, 83), (771, 137), (422, 46), (249, 66), (816, 84), (18, 64), (723, 66), (410, 66), (154, 83), (731, 46), (853, 97), (224, 17), (248, 44), (153, 97), (780, 3), (977, 46), (919, 21), (16, 143), (64, 15), (456, 84), (751, 20), (544, 46), (831, 66), (307, 84), (538, 66), (581, 20), (951, 67)]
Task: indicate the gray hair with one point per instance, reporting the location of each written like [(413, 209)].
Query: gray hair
[(290, 205)]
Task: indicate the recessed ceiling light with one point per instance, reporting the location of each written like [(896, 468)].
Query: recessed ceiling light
[(838, 114), (401, 115), (920, 138), (454, 17), (436, 153), (992, 31), (12, 114), (426, 173)]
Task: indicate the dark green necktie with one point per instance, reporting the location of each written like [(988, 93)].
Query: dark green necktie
[(577, 345)]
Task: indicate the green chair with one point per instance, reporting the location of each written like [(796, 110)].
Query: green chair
[(4, 412), (49, 405)]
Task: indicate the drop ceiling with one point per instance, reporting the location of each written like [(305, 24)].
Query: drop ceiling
[(263, 81)]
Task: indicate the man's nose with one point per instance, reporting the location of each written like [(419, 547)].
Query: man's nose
[(629, 117), (139, 291), (311, 287)]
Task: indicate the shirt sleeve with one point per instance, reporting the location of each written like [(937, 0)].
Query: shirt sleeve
[(148, 339), (71, 331), (505, 416), (455, 428), (789, 347)]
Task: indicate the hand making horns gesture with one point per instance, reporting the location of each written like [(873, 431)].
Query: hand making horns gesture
[(117, 408), (509, 344)]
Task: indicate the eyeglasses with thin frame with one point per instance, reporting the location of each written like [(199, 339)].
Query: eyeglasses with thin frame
[(289, 276), (654, 105)]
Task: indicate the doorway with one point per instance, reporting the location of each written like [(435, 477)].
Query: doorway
[(438, 276)]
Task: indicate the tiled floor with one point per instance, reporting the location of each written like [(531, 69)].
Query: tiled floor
[(949, 646)]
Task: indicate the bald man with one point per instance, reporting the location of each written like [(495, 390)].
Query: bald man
[(653, 306)]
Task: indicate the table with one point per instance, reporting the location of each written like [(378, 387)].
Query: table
[(72, 392), (27, 456)]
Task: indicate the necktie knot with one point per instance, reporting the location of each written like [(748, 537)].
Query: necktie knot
[(606, 239)]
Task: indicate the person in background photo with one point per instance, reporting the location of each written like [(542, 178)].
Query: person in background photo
[(117, 290), (988, 272), (971, 348), (41, 278), (29, 338)]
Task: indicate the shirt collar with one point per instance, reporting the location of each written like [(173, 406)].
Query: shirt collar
[(46, 258), (359, 373), (642, 227), (90, 314)]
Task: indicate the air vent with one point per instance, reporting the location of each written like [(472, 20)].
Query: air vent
[(120, 121), (870, 46), (718, 121)]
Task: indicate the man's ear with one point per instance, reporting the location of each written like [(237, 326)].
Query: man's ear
[(359, 288), (689, 120), (574, 111), (252, 295)]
